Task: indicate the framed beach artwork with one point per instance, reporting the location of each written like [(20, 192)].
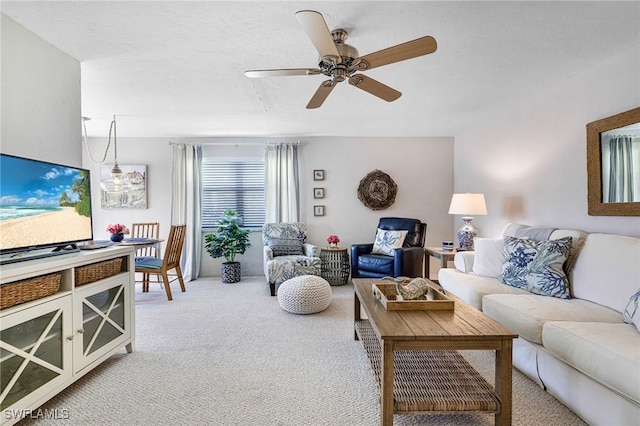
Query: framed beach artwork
[(126, 191)]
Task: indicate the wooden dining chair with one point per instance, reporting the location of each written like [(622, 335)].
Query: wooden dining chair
[(147, 230), (149, 265)]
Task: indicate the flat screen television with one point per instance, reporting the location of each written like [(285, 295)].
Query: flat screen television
[(45, 208)]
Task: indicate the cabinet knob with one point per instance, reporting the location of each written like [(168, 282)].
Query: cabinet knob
[(81, 330), (69, 337)]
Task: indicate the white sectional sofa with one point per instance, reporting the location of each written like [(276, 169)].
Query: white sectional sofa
[(579, 349)]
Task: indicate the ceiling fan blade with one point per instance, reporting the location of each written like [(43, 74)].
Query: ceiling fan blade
[(316, 28), (374, 87), (411, 49), (321, 94), (282, 72)]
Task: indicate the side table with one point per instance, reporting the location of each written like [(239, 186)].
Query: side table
[(335, 265), (444, 256)]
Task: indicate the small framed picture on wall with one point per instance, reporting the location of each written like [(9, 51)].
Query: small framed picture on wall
[(318, 192), (318, 175), (318, 210)]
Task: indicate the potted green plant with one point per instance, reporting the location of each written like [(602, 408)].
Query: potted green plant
[(226, 242)]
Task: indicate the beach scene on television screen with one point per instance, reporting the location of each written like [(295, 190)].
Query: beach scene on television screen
[(125, 191), (42, 203)]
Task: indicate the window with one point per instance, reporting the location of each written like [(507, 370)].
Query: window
[(233, 185)]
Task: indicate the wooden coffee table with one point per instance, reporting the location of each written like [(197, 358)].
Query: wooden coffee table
[(413, 355)]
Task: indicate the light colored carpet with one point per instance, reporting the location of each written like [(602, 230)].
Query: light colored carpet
[(227, 354)]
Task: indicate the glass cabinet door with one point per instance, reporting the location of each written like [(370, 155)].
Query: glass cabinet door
[(34, 352), (103, 322)]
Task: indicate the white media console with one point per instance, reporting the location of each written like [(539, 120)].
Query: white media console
[(48, 343)]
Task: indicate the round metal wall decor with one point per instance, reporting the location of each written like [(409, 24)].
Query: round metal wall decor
[(377, 190)]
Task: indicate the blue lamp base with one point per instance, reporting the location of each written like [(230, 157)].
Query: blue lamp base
[(466, 234)]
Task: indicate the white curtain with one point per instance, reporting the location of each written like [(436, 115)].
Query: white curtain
[(185, 204), (282, 183), (623, 169)]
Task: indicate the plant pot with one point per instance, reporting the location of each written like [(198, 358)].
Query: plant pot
[(230, 272), (116, 238)]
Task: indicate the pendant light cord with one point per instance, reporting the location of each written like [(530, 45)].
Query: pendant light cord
[(112, 129)]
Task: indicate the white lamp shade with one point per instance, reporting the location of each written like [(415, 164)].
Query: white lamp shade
[(468, 204)]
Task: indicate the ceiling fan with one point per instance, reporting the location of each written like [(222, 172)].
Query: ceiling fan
[(341, 61)]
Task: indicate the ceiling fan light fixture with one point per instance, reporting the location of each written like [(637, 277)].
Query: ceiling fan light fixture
[(340, 61)]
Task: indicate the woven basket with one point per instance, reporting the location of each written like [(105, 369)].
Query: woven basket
[(377, 190), (30, 289), (97, 271)]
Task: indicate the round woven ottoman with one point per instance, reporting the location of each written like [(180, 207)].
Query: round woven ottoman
[(306, 294)]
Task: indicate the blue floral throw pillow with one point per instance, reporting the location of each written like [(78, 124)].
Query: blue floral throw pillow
[(387, 241), (536, 266), (631, 312)]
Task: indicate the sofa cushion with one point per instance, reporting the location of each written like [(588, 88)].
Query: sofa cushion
[(489, 256), (472, 288), (387, 241), (607, 262), (536, 266), (608, 353), (631, 312), (283, 268), (525, 314), (520, 230), (376, 263)]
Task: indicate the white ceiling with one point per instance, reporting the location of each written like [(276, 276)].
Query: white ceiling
[(175, 68)]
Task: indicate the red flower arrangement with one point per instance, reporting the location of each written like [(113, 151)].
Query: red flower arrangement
[(117, 229), (333, 239)]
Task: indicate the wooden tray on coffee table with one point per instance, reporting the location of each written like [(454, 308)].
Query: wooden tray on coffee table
[(387, 294)]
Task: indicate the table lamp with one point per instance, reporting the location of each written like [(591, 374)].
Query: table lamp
[(467, 205)]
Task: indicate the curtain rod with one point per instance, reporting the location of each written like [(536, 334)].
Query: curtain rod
[(237, 144)]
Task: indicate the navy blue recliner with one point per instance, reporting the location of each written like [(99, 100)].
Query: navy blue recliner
[(406, 261)]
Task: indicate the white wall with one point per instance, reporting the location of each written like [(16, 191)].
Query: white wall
[(529, 157), (40, 98), (156, 155), (421, 167)]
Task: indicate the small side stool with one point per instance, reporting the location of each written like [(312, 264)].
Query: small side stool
[(335, 265), (306, 294)]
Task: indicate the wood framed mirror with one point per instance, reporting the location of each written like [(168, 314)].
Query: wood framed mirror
[(613, 165)]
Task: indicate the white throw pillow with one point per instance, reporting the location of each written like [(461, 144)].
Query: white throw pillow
[(387, 241), (489, 256)]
